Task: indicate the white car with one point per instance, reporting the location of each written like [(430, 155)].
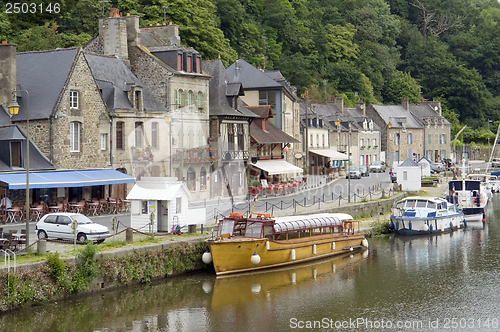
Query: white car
[(58, 225)]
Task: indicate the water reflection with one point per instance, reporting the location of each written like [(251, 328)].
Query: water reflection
[(399, 279)]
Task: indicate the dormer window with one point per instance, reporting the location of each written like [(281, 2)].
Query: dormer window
[(189, 63), (73, 99), (179, 61), (365, 124), (370, 125), (15, 154)]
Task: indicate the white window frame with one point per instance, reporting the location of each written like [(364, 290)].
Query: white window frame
[(74, 136), (73, 99), (104, 142)]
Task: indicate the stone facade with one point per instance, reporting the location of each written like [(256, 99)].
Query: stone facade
[(92, 116)]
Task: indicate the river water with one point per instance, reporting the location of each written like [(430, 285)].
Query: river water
[(446, 282)]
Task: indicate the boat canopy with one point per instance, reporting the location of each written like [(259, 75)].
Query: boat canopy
[(457, 185), (306, 224)]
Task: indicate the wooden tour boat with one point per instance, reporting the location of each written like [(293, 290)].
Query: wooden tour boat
[(245, 244)]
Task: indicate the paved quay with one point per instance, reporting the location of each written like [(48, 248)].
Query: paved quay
[(67, 249)]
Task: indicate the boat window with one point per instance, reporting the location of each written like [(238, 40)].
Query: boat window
[(400, 205), (268, 231), (410, 203), (254, 230), (431, 205), (226, 227), (440, 206), (421, 204)]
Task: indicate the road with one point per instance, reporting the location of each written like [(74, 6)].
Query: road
[(215, 208)]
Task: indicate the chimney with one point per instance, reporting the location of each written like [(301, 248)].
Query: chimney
[(133, 31), (8, 78), (339, 102), (406, 103), (113, 30), (169, 34), (435, 105), (237, 71), (361, 105)]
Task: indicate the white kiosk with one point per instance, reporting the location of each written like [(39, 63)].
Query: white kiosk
[(164, 200)]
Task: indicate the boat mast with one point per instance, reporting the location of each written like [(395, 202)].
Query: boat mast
[(493, 150)]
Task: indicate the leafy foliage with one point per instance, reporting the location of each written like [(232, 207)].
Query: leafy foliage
[(380, 50)]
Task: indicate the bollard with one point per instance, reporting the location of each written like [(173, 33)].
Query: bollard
[(42, 246), (129, 235), (191, 229)]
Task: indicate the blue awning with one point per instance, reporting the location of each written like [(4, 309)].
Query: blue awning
[(56, 179)]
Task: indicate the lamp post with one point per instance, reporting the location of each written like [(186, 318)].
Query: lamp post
[(349, 164), (14, 109)]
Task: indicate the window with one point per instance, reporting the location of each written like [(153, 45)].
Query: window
[(104, 142), (396, 138), (154, 134), (311, 140), (189, 98), (15, 154), (138, 134), (323, 139), (409, 138), (73, 99), (374, 142), (203, 179), (240, 136), (267, 98), (180, 98), (436, 138), (405, 175), (429, 139), (137, 100), (443, 138), (230, 136), (199, 101), (189, 63), (74, 133), (178, 205), (317, 139), (119, 135), (361, 142)]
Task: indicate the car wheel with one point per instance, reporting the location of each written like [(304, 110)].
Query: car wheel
[(81, 237), (42, 235)]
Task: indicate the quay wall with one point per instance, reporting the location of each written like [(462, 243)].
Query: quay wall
[(59, 278)]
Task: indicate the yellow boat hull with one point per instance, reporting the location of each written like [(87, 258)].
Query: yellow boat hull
[(234, 255)]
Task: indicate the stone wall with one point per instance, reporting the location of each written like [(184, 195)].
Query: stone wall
[(91, 113)]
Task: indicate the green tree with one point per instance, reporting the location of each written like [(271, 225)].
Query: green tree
[(402, 86)]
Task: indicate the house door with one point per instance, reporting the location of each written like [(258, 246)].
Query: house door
[(162, 216)]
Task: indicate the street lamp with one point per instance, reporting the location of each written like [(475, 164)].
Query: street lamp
[(14, 109)]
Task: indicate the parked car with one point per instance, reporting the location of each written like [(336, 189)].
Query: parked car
[(58, 226), (355, 172), (364, 170), (437, 167), (377, 166)]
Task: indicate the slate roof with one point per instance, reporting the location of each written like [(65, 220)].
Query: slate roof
[(250, 77), (220, 88), (273, 133), (114, 78), (396, 114), (37, 159), (43, 74), (409, 162), (425, 111)]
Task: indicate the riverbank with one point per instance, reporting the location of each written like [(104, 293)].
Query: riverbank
[(64, 272)]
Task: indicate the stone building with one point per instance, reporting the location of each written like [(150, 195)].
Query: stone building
[(69, 126), (401, 133), (229, 132), (271, 88), (437, 130), (174, 76)]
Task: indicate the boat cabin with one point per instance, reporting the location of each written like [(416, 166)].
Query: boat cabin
[(423, 207), (289, 228)]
